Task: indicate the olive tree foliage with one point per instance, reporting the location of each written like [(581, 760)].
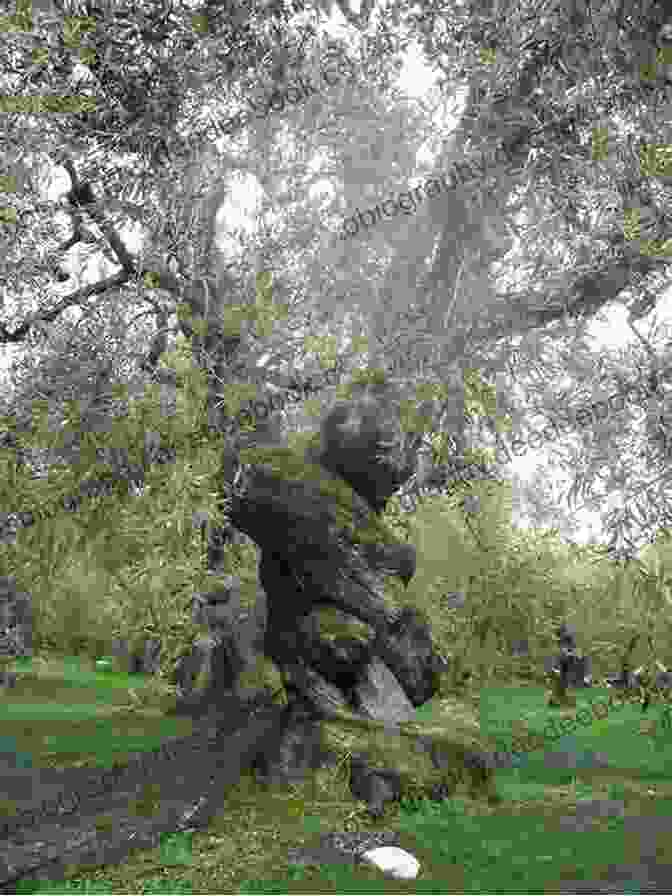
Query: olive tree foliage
[(171, 194), (99, 53), (540, 197), (179, 260), (559, 92), (443, 282)]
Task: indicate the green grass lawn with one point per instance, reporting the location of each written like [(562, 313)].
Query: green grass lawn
[(521, 845), (65, 713)]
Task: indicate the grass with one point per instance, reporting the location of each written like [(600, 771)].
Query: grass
[(520, 845), (63, 713)]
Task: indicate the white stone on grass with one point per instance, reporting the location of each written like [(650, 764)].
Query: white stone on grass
[(393, 861)]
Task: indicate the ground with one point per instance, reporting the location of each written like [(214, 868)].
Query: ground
[(398, 749)]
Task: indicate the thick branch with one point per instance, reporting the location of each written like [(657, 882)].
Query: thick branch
[(589, 294), (51, 314), (81, 200), (81, 196), (361, 19)]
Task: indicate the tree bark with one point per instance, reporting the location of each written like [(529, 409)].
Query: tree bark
[(296, 520)]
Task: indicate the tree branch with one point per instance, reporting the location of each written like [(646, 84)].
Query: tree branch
[(51, 314), (80, 197), (359, 20)]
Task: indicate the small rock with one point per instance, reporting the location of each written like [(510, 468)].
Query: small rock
[(373, 786), (587, 809), (520, 647), (664, 680), (570, 759), (453, 600), (7, 679), (600, 807), (393, 861)]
